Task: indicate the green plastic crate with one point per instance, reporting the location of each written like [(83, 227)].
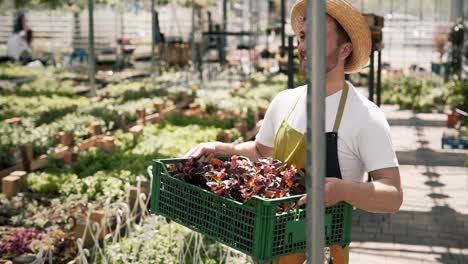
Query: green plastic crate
[(253, 227)]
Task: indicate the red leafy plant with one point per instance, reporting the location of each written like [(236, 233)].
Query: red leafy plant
[(241, 179), (17, 242)]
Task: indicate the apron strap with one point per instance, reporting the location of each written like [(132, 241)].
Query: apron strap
[(341, 107), (294, 106)]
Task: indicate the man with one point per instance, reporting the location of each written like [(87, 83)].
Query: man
[(358, 135)]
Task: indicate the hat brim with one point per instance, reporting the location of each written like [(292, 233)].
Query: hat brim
[(352, 22)]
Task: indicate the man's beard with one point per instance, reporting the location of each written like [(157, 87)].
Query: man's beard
[(332, 62)]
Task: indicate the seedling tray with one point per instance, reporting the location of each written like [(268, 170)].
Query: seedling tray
[(455, 143)]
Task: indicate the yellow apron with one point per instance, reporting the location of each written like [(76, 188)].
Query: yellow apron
[(290, 147)]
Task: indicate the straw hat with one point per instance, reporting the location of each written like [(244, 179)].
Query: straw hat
[(352, 22)]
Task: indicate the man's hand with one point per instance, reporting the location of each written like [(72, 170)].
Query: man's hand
[(205, 151), (333, 192), (250, 149)]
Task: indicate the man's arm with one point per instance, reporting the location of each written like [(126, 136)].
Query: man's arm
[(251, 149), (383, 195)]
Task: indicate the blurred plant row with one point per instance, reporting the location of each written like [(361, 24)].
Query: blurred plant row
[(49, 104), (115, 3), (424, 94), (45, 218)]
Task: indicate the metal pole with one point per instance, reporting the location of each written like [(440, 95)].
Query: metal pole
[(371, 75), (391, 13), (456, 10), (251, 22), (419, 33), (122, 34), (257, 20), (465, 10), (405, 30), (291, 62), (153, 44), (379, 77), (225, 15), (192, 39), (283, 24), (315, 171), (224, 38), (464, 49), (91, 56)]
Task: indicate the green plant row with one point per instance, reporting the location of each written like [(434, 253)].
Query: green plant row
[(96, 174), (422, 95)]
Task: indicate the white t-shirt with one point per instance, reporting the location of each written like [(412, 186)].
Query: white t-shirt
[(17, 46), (364, 141)]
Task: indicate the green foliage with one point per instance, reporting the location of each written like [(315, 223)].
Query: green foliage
[(39, 106), (94, 160), (94, 187), (41, 212), (264, 87), (44, 137), (13, 70), (154, 241), (409, 93), (96, 173), (162, 2), (206, 250), (46, 103), (7, 147), (53, 114), (242, 105), (420, 95), (197, 3), (77, 124), (212, 121), (54, 4), (157, 242), (42, 182), (104, 110), (129, 108), (166, 140), (458, 94), (128, 91), (12, 136), (46, 85)]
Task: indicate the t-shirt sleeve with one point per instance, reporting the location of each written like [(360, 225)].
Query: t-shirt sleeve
[(375, 143), (266, 135)]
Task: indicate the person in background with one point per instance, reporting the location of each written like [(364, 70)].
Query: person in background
[(18, 46)]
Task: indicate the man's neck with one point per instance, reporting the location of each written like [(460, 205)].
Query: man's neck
[(335, 81)]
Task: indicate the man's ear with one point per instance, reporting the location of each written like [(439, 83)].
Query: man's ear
[(346, 50)]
